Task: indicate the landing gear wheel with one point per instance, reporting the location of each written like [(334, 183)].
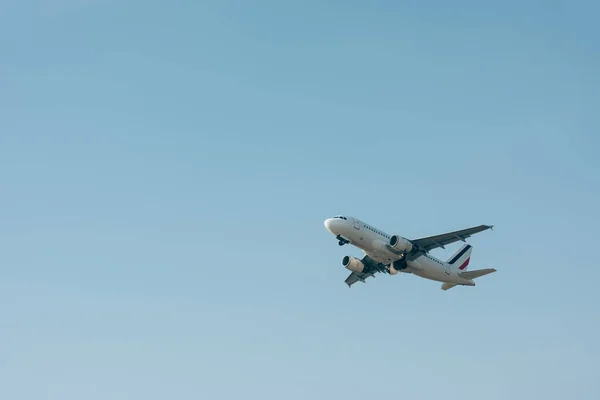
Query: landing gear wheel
[(341, 243)]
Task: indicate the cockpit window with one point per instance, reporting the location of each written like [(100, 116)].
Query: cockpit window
[(340, 217)]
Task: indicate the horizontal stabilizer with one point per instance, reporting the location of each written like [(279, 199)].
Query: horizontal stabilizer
[(476, 274), (446, 285)]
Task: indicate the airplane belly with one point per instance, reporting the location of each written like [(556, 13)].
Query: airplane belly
[(374, 248), (435, 273), (379, 250)]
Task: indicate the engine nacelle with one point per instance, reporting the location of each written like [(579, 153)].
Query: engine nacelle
[(400, 244), (353, 264)]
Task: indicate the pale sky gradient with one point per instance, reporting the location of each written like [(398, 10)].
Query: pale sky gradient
[(166, 169)]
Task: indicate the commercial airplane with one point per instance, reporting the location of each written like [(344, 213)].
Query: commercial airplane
[(392, 253)]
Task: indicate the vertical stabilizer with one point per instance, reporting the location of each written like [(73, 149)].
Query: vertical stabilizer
[(462, 257)]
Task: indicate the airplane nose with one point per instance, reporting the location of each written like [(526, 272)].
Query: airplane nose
[(329, 224)]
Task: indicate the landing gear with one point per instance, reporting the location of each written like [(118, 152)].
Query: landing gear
[(399, 265), (342, 241)]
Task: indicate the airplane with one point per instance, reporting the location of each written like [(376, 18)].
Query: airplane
[(392, 254)]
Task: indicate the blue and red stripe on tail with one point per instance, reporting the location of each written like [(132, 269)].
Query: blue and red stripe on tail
[(461, 257)]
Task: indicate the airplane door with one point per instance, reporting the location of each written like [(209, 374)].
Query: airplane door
[(447, 268), (356, 224)]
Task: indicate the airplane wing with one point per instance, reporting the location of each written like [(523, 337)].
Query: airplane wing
[(371, 267), (432, 242), (356, 277)]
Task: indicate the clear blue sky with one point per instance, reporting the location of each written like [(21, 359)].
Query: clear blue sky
[(166, 170)]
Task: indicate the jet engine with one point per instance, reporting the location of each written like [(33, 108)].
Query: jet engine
[(400, 244), (353, 264)]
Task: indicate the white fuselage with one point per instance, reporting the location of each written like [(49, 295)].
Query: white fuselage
[(374, 243)]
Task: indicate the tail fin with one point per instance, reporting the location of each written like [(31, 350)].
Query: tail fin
[(461, 257)]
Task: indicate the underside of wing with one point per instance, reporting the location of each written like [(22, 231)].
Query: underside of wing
[(357, 277), (371, 268), (432, 242)]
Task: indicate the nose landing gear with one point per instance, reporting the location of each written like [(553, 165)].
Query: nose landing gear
[(342, 241)]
